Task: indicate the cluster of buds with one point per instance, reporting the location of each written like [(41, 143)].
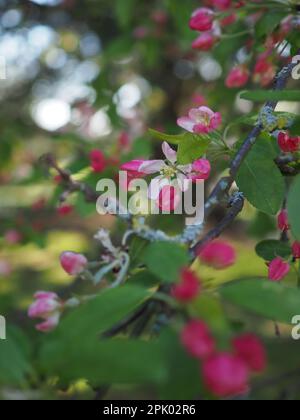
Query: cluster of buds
[(225, 374)]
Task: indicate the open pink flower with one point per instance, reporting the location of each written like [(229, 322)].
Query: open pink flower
[(278, 269), (47, 307), (237, 77), (218, 254), (188, 288), (226, 375), (73, 263), (197, 339), (200, 120), (202, 19)]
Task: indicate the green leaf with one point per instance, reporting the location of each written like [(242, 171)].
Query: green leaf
[(295, 128), (268, 23), (165, 259), (268, 250), (263, 297), (104, 362), (99, 314), (265, 95), (14, 358), (124, 11), (192, 148), (260, 179), (170, 138), (294, 207)]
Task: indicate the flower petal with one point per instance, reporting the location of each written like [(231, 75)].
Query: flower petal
[(152, 166), (186, 123), (170, 154)]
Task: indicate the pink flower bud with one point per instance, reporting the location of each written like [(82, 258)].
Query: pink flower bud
[(202, 19), (218, 254), (50, 324), (222, 4), (238, 77), (283, 222), (204, 42), (251, 350), (73, 263), (225, 375), (278, 269), (296, 250), (133, 167), (201, 169), (65, 210), (228, 20), (189, 287), (288, 144), (98, 162), (48, 307), (12, 237), (197, 340)]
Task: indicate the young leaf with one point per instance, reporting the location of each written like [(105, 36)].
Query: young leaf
[(268, 250), (260, 179), (165, 259), (192, 148), (264, 297)]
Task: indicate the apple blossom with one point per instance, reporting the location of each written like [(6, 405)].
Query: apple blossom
[(237, 77), (264, 72), (249, 348), (188, 288), (226, 375), (278, 269), (218, 254), (197, 340), (73, 263), (65, 209), (202, 19), (200, 120)]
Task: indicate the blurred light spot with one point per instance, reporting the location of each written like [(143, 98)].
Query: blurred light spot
[(242, 55), (184, 69), (56, 58), (90, 45), (41, 36), (128, 96), (209, 69), (51, 114), (100, 124), (87, 71), (47, 2), (11, 18), (243, 106)]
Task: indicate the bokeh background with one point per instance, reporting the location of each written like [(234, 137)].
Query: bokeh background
[(86, 74)]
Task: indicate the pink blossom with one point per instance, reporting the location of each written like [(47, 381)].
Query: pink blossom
[(250, 349), (278, 269), (226, 375), (133, 167), (73, 263), (202, 19), (228, 20), (288, 144), (12, 236), (188, 288), (200, 120), (197, 340), (218, 254), (296, 250), (237, 77), (47, 307), (222, 4), (204, 42), (65, 209), (283, 222), (264, 72), (98, 162), (201, 169)]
